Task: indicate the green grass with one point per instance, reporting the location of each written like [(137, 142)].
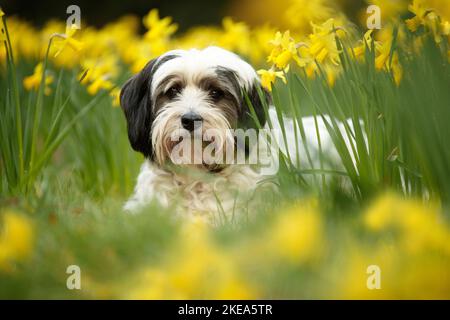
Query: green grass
[(398, 136)]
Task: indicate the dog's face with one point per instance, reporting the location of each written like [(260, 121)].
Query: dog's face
[(186, 90)]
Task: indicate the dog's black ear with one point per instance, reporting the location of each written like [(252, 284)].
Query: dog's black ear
[(259, 98), (135, 99)]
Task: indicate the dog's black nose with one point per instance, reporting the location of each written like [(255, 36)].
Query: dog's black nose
[(191, 120)]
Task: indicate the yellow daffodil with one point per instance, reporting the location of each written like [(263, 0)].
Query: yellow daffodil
[(445, 27), (235, 36), (34, 81), (261, 37), (366, 43), (323, 46), (97, 73), (420, 10), (67, 40), (297, 234), (425, 15), (158, 28), (397, 70), (115, 94), (284, 50), (300, 13), (420, 225), (382, 61), (103, 66), (199, 37), (278, 43), (268, 77), (208, 271), (16, 239), (100, 83)]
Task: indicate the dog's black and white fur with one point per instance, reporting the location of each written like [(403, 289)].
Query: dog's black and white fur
[(171, 91), (212, 86)]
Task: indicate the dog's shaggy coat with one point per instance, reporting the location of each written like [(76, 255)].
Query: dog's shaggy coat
[(213, 84)]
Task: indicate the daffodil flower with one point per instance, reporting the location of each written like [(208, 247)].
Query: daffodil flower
[(382, 59), (67, 40), (427, 17), (235, 36), (16, 239), (158, 28), (100, 83), (417, 7), (323, 43), (284, 50), (279, 54), (297, 234), (268, 77), (115, 94), (445, 26), (364, 44), (34, 81)]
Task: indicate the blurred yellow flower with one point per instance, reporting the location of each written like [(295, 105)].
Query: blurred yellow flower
[(301, 13), (297, 234), (235, 36), (390, 9), (33, 82), (261, 46), (403, 275), (16, 239), (97, 73), (268, 77), (198, 37), (100, 83), (397, 70), (323, 46), (420, 11), (420, 225), (115, 94), (409, 233), (383, 60), (352, 276), (194, 269), (365, 44), (63, 41), (425, 14), (157, 36), (50, 28), (445, 26), (105, 65), (158, 28), (284, 50)]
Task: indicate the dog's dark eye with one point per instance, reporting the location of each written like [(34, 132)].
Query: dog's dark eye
[(216, 94), (173, 92)]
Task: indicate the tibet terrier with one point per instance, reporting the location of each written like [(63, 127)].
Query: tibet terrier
[(190, 96)]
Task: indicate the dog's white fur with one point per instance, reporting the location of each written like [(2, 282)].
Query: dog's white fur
[(196, 62), (195, 196)]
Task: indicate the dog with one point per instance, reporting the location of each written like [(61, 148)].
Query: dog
[(184, 92), (180, 91)]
